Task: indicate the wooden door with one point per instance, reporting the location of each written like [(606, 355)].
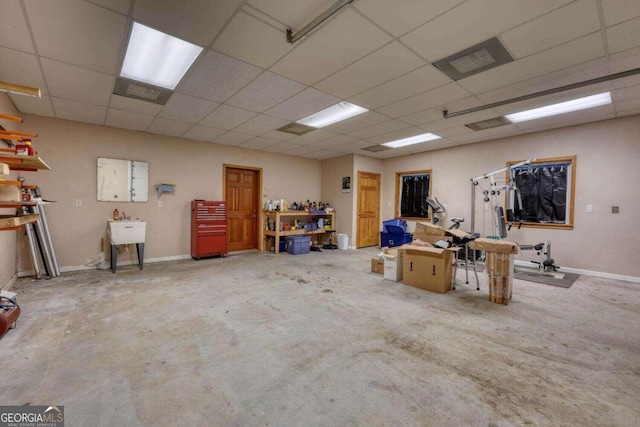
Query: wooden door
[(367, 231), (241, 194)]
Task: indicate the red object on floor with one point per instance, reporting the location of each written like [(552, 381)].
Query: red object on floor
[(208, 229)]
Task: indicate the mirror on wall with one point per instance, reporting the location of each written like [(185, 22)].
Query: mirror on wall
[(122, 180)]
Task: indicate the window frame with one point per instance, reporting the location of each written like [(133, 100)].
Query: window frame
[(398, 193), (570, 185)]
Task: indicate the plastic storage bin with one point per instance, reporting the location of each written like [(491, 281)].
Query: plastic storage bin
[(394, 226), (395, 239), (297, 245)]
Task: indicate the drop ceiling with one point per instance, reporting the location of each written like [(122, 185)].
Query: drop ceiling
[(378, 54)]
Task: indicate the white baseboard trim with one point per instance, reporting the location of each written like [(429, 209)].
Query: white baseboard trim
[(612, 276), (10, 283)]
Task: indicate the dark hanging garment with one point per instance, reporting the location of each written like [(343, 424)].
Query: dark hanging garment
[(559, 194), (527, 182), (545, 194), (415, 190)]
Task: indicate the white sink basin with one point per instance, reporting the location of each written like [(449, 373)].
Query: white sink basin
[(125, 232)]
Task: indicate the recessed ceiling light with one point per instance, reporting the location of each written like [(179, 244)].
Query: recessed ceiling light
[(561, 108), (417, 139), (157, 58), (334, 114)]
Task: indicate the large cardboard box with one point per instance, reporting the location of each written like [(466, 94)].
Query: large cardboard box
[(500, 269), (430, 238), (377, 266), (428, 228), (393, 266), (491, 245), (428, 268)]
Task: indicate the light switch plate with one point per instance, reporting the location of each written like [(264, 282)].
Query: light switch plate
[(589, 209), (160, 203)]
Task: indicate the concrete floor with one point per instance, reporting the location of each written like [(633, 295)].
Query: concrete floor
[(318, 340)]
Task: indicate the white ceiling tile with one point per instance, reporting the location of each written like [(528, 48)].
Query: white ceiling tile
[(253, 41), (379, 129), (433, 98), (346, 38), (323, 155), (168, 127), (399, 17), (78, 33), (258, 143), (420, 80), (339, 140), (367, 119), (293, 13), (282, 147), (14, 32), (390, 61), (134, 105), (264, 92), (120, 6), (79, 84), (422, 117), (232, 138), (628, 113), (78, 111), (453, 131), (217, 77), (623, 36), (312, 137), (260, 125), (551, 30), (352, 147), (279, 136), (570, 54), (127, 119), (197, 21), (227, 117), (627, 93), (187, 108), (303, 104), (616, 11), (460, 28), (630, 104), (493, 133), (30, 105), (20, 68), (203, 133)]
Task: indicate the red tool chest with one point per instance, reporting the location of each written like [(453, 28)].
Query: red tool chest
[(208, 229)]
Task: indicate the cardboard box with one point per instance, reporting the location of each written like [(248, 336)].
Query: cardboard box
[(10, 191), (377, 266), (428, 228), (500, 269), (430, 238), (428, 268), (393, 264), (491, 245)]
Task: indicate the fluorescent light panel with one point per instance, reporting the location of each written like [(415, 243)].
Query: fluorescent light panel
[(417, 139), (334, 114), (157, 58), (562, 108)]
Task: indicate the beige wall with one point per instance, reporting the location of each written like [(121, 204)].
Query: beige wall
[(608, 172), (332, 172), (7, 238), (71, 149)]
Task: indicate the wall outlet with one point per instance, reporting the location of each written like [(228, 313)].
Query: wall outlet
[(78, 203), (615, 209), (160, 204), (589, 209)]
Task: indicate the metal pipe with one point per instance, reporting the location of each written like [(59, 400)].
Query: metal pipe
[(44, 247), (32, 246), (292, 38), (473, 206), (490, 174), (446, 114), (49, 242)]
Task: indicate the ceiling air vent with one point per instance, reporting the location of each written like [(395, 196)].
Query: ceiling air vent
[(377, 148), (476, 59), (296, 129), (488, 124), (141, 91)]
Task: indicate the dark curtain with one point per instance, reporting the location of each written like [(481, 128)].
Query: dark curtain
[(415, 190), (544, 192)]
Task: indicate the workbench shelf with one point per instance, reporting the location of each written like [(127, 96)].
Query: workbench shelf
[(289, 216)]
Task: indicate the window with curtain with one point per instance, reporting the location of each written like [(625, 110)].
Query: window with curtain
[(546, 188), (412, 190)]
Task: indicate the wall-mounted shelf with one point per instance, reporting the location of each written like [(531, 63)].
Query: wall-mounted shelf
[(12, 222), (23, 163)]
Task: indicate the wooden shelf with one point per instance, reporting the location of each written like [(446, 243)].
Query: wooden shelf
[(12, 222), (278, 215), (29, 163)]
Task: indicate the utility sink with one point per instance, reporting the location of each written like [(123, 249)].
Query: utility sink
[(127, 231)]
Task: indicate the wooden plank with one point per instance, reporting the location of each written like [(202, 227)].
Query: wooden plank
[(11, 118), (16, 132), (23, 162), (9, 221)]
